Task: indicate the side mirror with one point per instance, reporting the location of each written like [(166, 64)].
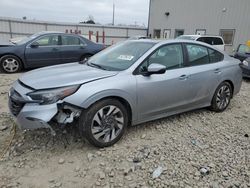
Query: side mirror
[(34, 45), (155, 68)]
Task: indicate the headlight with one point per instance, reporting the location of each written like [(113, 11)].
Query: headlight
[(245, 63), (52, 95)]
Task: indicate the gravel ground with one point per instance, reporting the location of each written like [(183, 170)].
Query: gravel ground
[(194, 149)]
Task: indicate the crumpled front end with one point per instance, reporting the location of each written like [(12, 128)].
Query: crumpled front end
[(30, 115)]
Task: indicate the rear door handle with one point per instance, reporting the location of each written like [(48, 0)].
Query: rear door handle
[(183, 77), (217, 71)]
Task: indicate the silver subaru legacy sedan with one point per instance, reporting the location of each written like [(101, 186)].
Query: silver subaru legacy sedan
[(127, 84)]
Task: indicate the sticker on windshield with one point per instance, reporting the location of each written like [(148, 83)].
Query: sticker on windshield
[(126, 57)]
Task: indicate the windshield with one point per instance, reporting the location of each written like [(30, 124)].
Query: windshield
[(186, 37), (244, 49), (121, 56), (26, 39)]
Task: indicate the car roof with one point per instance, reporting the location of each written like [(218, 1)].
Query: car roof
[(174, 41), (54, 32), (197, 36)]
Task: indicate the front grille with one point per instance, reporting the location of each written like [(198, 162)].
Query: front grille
[(15, 102)]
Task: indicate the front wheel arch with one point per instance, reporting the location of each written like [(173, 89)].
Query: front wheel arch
[(123, 101), (85, 122)]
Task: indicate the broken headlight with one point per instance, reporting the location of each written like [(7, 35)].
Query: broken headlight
[(51, 96), (246, 63)]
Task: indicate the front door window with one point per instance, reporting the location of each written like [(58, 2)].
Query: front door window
[(49, 40)]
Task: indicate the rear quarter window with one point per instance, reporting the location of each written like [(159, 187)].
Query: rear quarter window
[(215, 56)]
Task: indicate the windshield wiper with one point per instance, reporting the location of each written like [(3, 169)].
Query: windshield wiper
[(96, 65)]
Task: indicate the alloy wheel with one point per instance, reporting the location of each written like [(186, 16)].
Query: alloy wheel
[(107, 124), (223, 97), (10, 65)]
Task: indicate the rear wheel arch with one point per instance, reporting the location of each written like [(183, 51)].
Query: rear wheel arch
[(231, 84)]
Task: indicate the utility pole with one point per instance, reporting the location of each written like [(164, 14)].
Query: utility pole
[(113, 22)]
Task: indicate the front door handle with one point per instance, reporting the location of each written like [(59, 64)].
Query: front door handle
[(217, 71), (183, 77)]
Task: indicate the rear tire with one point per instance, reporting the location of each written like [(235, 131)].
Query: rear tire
[(104, 123), (222, 97), (10, 64)]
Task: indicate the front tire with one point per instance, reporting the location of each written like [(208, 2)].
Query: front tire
[(104, 123), (222, 97), (10, 64)]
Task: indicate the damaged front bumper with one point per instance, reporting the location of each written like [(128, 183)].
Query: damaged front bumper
[(33, 117), (29, 115)]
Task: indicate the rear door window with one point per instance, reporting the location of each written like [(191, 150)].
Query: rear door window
[(71, 41), (197, 55)]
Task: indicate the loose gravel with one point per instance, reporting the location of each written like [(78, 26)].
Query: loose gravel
[(195, 149)]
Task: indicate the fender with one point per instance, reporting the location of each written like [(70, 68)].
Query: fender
[(111, 93)]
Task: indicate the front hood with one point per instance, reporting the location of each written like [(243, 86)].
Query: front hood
[(63, 75), (6, 44)]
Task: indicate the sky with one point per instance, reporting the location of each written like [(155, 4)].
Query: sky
[(128, 12)]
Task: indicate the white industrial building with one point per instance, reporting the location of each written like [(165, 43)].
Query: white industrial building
[(228, 18)]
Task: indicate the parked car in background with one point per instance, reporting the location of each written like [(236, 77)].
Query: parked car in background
[(138, 37), (245, 66), (216, 41), (45, 49), (242, 52), (129, 83)]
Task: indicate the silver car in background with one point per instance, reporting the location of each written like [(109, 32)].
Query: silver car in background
[(127, 84)]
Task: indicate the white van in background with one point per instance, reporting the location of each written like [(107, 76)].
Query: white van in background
[(216, 41)]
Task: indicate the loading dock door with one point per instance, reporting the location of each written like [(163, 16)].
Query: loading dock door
[(157, 33)]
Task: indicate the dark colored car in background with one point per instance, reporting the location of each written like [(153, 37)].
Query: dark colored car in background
[(245, 66), (45, 49), (242, 53)]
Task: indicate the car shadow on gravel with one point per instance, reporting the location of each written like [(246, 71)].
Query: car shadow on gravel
[(247, 80)]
